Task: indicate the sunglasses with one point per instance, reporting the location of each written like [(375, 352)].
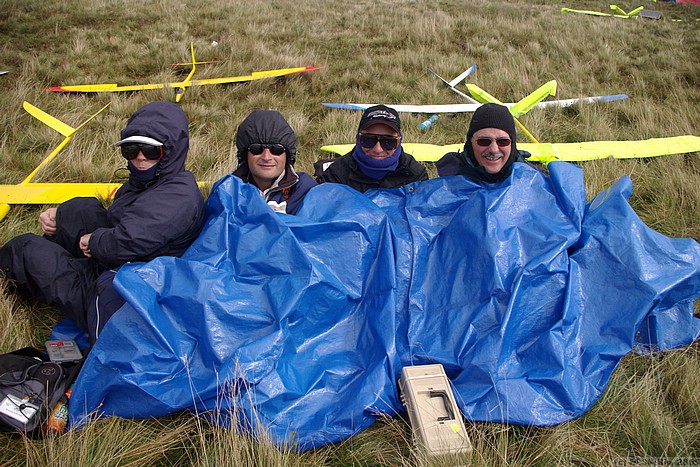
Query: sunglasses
[(131, 151), (368, 140), (486, 142), (276, 149)]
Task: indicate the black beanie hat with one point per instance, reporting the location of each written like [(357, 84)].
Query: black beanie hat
[(488, 116), (492, 116)]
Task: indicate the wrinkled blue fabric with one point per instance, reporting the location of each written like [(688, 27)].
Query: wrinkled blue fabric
[(300, 325)]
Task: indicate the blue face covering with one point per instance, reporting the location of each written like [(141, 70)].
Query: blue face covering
[(143, 176), (373, 168)]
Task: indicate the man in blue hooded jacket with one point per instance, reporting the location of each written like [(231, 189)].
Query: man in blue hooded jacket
[(158, 211)]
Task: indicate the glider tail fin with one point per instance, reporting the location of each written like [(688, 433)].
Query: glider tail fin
[(63, 128), (461, 77), (484, 97), (524, 105), (50, 120), (481, 96), (179, 92)]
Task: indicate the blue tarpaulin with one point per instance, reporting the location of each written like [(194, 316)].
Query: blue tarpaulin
[(300, 325)]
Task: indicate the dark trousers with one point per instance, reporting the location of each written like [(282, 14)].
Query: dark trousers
[(51, 274)]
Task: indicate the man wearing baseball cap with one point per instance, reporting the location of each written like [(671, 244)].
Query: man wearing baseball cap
[(158, 211), (489, 151), (377, 160)]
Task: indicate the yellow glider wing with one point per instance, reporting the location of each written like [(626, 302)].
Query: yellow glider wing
[(592, 150), (569, 152), (57, 193)]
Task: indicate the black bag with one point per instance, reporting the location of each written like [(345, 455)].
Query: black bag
[(30, 387)]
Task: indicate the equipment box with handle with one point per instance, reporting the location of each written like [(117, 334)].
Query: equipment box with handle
[(435, 418)]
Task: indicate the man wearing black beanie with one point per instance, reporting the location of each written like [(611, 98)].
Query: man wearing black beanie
[(490, 148)]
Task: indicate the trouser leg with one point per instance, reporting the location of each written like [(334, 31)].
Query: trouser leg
[(50, 274), (106, 302)]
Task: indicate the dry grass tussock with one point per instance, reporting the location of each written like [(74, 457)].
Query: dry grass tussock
[(371, 51)]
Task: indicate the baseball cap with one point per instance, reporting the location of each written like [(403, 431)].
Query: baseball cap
[(380, 114)]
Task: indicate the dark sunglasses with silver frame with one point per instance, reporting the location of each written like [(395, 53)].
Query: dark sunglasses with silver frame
[(276, 149), (485, 142), (388, 142), (131, 151)]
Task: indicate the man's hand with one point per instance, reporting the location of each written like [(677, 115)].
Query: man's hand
[(47, 221), (85, 244)]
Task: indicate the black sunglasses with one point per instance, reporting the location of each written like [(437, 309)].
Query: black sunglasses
[(485, 142), (276, 149), (388, 142), (131, 151)]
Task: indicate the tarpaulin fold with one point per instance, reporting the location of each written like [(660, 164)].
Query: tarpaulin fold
[(300, 325)]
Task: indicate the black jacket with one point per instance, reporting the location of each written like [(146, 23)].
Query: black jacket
[(346, 171), (162, 217)]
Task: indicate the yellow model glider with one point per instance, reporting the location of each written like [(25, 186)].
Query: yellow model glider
[(619, 12), (569, 152), (180, 86), (63, 128)]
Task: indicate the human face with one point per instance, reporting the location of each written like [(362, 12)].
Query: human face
[(266, 167), (492, 157), (141, 162), (377, 152), (142, 156)]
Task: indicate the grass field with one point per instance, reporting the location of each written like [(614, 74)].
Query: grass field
[(370, 51)]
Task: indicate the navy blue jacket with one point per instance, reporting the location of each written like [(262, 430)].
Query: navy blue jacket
[(162, 217)]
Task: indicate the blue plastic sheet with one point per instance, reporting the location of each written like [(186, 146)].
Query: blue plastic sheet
[(300, 325)]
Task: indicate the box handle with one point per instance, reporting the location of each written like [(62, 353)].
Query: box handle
[(446, 401)]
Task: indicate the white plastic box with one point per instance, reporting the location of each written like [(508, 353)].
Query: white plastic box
[(436, 422)]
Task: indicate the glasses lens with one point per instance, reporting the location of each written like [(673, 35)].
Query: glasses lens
[(131, 151), (276, 149), (485, 142), (152, 152), (368, 141), (256, 149), (389, 142)]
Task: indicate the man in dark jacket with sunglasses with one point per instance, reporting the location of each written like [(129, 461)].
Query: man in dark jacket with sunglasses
[(377, 160), (267, 149), (159, 211), (489, 151)]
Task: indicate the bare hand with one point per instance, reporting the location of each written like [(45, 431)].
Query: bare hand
[(47, 221), (85, 244)]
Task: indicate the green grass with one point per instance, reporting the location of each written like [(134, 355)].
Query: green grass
[(371, 51)]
